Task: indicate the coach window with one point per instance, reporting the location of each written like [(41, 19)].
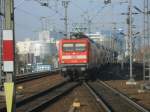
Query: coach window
[(80, 47), (68, 47)]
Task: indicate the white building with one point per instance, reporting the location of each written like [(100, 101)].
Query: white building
[(24, 46), (42, 48), (35, 51)]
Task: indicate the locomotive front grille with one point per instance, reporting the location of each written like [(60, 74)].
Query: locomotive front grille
[(72, 67)]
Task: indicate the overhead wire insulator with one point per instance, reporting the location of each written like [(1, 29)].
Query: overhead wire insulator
[(107, 1), (44, 3)]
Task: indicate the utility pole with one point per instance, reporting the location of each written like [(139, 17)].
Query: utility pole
[(145, 9), (131, 80), (148, 23), (146, 59), (146, 38), (0, 44), (88, 21), (9, 55), (43, 23), (9, 25), (89, 26), (65, 5)]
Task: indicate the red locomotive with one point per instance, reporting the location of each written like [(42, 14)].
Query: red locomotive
[(79, 56)]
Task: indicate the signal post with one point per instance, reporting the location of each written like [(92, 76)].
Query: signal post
[(9, 56)]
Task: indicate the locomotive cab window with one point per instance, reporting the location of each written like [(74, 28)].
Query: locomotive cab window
[(80, 47), (74, 47), (68, 47)]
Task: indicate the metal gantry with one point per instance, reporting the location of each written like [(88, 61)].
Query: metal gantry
[(131, 81), (146, 51)]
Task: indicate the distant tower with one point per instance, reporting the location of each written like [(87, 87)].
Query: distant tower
[(65, 5), (44, 34), (44, 23)]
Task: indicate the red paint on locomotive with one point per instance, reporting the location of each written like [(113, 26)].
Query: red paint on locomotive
[(82, 56), (73, 51)]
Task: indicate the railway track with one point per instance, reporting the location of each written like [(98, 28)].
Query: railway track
[(32, 76), (112, 100), (98, 99), (78, 100), (28, 77), (39, 101), (108, 99)]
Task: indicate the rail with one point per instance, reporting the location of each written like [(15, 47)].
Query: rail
[(31, 76), (98, 99), (28, 77), (114, 100), (126, 98), (40, 101)]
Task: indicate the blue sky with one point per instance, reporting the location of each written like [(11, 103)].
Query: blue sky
[(28, 15)]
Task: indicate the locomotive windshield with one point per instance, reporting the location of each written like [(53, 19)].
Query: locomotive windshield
[(74, 47), (68, 47), (80, 47)]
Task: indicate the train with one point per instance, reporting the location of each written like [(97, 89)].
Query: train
[(80, 57)]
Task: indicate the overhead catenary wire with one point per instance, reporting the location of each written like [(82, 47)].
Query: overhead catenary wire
[(36, 17), (52, 9), (59, 13), (48, 6), (19, 4), (29, 13), (88, 19), (24, 26)]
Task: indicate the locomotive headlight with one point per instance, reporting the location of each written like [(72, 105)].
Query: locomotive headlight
[(82, 68)]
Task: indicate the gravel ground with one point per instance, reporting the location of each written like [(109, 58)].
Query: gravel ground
[(88, 103), (34, 86), (132, 91)]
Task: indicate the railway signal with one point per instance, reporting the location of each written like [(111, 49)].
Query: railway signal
[(9, 55)]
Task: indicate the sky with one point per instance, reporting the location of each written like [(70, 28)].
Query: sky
[(29, 16)]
